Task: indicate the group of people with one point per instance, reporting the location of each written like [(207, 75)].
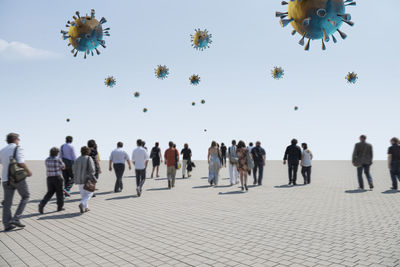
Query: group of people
[(64, 168)]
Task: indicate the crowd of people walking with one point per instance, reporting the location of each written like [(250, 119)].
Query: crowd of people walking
[(65, 169)]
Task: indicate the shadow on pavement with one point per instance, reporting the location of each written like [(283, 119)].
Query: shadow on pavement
[(104, 193), (122, 197), (60, 216), (14, 230), (284, 186), (132, 176), (160, 179), (158, 189), (356, 191), (201, 186), (35, 214), (231, 193), (222, 186), (391, 191)]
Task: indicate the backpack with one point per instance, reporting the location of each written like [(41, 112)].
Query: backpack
[(257, 154), (16, 173)]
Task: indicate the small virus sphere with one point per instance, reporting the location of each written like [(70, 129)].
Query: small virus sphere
[(203, 101), (194, 79), (110, 81), (193, 104), (352, 77), (296, 108), (85, 34), (68, 120), (205, 130), (145, 110), (136, 94), (277, 73), (201, 39), (316, 19), (162, 72)]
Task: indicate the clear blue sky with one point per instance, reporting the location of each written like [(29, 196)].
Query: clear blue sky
[(40, 90)]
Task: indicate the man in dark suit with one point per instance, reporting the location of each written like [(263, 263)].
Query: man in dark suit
[(293, 158), (362, 160)]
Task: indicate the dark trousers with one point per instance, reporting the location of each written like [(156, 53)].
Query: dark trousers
[(54, 185), (360, 170), (306, 172), (140, 178), (119, 169), (9, 190), (68, 174), (293, 172), (260, 168), (395, 173)]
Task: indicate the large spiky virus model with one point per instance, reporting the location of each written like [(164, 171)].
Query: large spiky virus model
[(110, 81), (352, 77), (194, 79), (316, 19), (277, 73), (85, 34), (201, 39), (162, 72)]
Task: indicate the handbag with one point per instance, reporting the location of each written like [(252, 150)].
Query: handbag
[(233, 160), (90, 184), (16, 173)]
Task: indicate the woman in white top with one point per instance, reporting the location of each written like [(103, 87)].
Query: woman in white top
[(306, 158)]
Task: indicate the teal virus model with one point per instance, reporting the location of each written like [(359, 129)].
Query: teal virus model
[(203, 101), (277, 73), (193, 103), (201, 39), (296, 108), (316, 19), (136, 94), (352, 77), (162, 72), (110, 81), (85, 34), (145, 110), (68, 120), (194, 79)]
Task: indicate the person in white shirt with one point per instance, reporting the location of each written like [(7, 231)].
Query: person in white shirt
[(117, 160), (233, 162), (306, 158), (13, 150), (140, 159)]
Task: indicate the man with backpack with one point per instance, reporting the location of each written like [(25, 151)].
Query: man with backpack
[(13, 178), (259, 158)]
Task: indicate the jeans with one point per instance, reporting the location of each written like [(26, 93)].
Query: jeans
[(364, 167), (293, 172), (171, 173), (85, 195), (260, 167), (54, 185), (9, 190), (68, 174), (306, 172), (395, 173), (140, 178), (119, 169), (233, 173)]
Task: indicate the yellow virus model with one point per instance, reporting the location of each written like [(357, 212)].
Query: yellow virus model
[(203, 101), (193, 103), (162, 72), (194, 79), (136, 94), (201, 39), (352, 77), (110, 81), (145, 110), (277, 73)]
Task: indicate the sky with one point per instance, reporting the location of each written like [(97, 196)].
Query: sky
[(42, 84)]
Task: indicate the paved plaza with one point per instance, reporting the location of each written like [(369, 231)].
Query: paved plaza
[(327, 223)]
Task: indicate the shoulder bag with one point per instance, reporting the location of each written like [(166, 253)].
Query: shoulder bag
[(16, 173)]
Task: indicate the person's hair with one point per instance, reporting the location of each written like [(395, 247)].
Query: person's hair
[(139, 142), (258, 143), (143, 143), (157, 144), (92, 144), (68, 139), (54, 152), (174, 145), (213, 144), (233, 142), (12, 137), (251, 144), (363, 137), (120, 144), (85, 151), (241, 144), (294, 141), (304, 145), (222, 144), (171, 144), (185, 145), (394, 140)]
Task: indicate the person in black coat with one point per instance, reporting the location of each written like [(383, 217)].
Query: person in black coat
[(292, 157)]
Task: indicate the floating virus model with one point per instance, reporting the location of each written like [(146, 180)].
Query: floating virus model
[(193, 104), (68, 120), (201, 39), (136, 94), (316, 19), (205, 130), (194, 79), (352, 77), (145, 110), (162, 72), (203, 101), (110, 81), (85, 34), (277, 73), (296, 108)]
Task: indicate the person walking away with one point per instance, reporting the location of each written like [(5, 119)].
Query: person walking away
[(54, 168), (293, 157), (186, 159), (306, 159), (83, 170), (140, 159), (171, 157), (233, 163), (214, 163), (362, 160), (118, 158), (13, 151), (156, 158), (243, 167), (394, 162), (68, 156), (223, 154), (259, 157), (250, 148)]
